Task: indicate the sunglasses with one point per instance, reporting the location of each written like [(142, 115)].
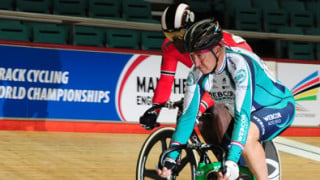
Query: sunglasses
[(175, 35)]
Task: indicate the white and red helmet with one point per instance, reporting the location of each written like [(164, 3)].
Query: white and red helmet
[(176, 17)]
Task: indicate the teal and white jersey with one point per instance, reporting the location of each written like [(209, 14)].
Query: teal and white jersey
[(243, 84)]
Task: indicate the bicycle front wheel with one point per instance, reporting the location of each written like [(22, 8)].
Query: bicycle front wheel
[(150, 152)]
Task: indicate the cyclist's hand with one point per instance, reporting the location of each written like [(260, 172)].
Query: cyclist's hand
[(168, 165), (149, 119), (164, 172), (232, 171)]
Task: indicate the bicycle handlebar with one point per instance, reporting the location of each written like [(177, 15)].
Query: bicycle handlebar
[(169, 105), (199, 147)]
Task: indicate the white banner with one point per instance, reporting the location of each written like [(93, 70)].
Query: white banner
[(140, 80), (272, 66), (303, 81)]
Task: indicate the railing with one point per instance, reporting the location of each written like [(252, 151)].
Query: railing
[(109, 23)]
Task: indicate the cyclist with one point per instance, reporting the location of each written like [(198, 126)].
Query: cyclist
[(175, 20), (261, 106)]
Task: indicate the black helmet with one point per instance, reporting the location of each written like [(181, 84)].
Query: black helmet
[(202, 35), (176, 17)]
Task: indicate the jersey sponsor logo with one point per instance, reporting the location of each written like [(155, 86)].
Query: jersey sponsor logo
[(220, 95), (224, 80), (274, 118), (190, 79), (225, 83), (240, 76), (243, 127), (214, 84), (261, 125)]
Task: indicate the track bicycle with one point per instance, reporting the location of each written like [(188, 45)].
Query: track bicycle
[(195, 161)]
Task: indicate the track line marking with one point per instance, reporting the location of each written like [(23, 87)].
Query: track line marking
[(298, 148)]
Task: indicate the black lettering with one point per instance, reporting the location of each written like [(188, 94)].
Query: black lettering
[(144, 100), (146, 85), (184, 85), (221, 94), (138, 100), (151, 85), (177, 86), (141, 86)]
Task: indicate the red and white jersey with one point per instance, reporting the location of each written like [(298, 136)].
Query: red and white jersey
[(235, 41), (170, 58)]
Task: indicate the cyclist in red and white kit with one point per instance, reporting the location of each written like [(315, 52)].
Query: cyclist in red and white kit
[(175, 20)]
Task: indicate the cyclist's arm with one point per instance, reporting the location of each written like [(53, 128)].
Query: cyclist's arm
[(186, 122), (168, 70), (242, 108), (164, 87), (206, 102)]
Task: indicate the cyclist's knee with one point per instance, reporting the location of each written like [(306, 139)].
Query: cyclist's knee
[(253, 137)]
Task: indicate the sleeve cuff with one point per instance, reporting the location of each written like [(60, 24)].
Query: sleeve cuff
[(234, 152)]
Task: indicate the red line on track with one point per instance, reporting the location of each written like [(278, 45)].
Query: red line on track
[(113, 127)]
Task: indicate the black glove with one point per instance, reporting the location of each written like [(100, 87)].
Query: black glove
[(149, 119)]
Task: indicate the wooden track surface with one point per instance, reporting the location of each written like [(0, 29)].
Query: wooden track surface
[(30, 155)]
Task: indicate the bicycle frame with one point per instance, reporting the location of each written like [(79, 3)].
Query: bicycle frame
[(205, 166), (204, 170)]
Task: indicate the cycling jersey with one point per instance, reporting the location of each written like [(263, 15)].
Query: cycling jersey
[(249, 92), (170, 58)]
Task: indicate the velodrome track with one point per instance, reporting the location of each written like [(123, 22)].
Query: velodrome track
[(33, 155)]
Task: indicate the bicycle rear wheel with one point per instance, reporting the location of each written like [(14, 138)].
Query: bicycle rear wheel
[(150, 152), (273, 160)]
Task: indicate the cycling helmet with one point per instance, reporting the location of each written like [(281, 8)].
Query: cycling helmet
[(202, 35), (176, 17)]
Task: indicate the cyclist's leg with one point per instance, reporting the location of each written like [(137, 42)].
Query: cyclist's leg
[(254, 154), (268, 123), (215, 122), (272, 160)]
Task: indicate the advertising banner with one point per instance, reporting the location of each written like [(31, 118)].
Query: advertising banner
[(76, 85), (304, 82), (56, 84), (60, 84)]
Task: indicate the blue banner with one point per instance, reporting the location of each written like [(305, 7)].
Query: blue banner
[(59, 84)]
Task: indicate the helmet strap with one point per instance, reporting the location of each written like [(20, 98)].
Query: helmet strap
[(217, 59)]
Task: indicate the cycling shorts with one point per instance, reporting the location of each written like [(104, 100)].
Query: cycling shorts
[(273, 120)]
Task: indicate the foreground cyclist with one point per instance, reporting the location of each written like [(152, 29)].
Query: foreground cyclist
[(260, 105), (175, 20)]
